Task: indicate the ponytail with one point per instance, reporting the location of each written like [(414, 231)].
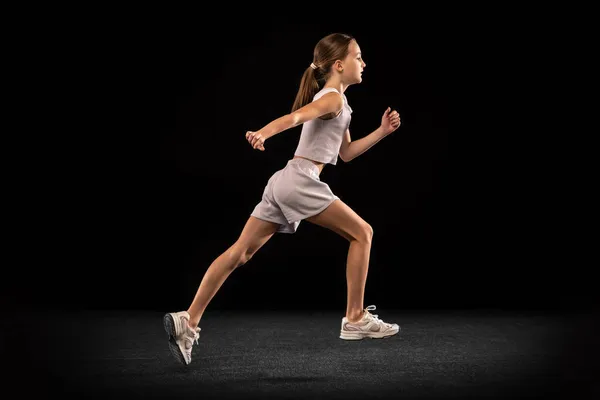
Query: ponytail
[(329, 49), (308, 88)]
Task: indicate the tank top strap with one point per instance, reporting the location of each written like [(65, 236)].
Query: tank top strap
[(324, 91), (329, 90)]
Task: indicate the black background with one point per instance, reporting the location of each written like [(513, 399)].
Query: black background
[(160, 181)]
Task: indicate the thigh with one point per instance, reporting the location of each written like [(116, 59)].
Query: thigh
[(255, 234), (340, 218)]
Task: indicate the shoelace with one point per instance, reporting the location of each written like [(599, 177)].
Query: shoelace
[(375, 317), (196, 336), (192, 339)]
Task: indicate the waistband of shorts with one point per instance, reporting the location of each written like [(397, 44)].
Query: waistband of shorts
[(305, 165)]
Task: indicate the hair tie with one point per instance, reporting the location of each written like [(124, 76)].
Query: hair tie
[(313, 66)]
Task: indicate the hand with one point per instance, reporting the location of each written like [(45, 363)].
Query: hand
[(390, 121), (256, 140)]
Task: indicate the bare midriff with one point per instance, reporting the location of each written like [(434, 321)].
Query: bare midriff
[(318, 164)]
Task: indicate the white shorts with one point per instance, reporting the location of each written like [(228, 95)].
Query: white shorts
[(293, 194)]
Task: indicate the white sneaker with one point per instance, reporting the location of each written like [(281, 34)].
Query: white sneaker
[(370, 326), (181, 336)]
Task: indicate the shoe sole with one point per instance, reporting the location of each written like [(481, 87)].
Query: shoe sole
[(367, 335), (169, 324)]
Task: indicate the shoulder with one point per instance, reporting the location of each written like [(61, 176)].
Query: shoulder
[(336, 97), (330, 92), (331, 96), (325, 102)]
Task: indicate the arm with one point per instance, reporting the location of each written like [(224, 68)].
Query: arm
[(352, 149), (329, 103), (349, 150)]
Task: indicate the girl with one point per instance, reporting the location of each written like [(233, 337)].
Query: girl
[(296, 193)]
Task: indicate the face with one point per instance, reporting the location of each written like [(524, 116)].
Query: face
[(353, 64)]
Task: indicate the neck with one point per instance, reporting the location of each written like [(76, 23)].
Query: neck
[(337, 84)]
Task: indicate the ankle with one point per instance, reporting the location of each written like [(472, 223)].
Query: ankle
[(194, 319), (355, 316), (193, 324)]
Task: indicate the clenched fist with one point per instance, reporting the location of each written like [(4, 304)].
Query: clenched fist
[(390, 121), (256, 140)]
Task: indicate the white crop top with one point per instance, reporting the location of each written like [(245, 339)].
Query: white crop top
[(320, 139)]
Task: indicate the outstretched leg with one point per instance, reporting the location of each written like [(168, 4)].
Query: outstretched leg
[(255, 234), (341, 219)]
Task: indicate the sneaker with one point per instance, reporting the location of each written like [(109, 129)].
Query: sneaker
[(181, 336), (370, 326)]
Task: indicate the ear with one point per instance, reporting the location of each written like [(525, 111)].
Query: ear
[(338, 65)]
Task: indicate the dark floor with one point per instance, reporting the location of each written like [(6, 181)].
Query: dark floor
[(244, 355)]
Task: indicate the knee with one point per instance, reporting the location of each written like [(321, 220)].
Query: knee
[(239, 255), (366, 233), (369, 230), (244, 258)]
